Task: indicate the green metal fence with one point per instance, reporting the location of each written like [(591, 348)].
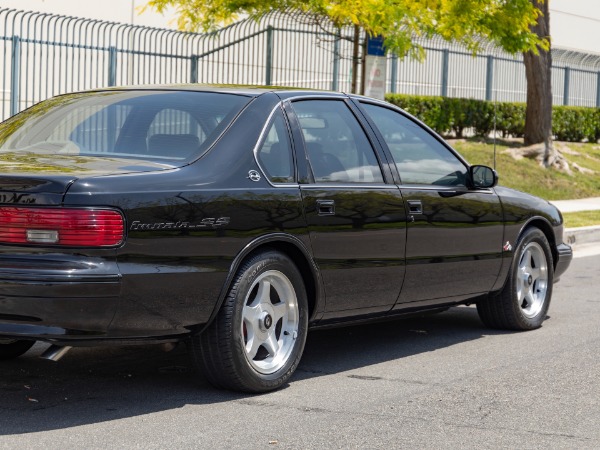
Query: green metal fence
[(44, 55)]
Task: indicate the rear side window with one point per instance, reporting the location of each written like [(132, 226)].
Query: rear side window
[(169, 125), (275, 152)]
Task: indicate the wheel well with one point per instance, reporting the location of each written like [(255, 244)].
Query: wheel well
[(548, 232), (301, 261)]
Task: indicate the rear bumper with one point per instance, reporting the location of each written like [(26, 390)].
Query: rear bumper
[(80, 311), (564, 257), (47, 307)]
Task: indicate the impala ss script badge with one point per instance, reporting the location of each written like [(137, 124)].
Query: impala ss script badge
[(209, 222)]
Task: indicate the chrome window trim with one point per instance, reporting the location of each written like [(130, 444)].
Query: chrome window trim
[(334, 96), (325, 186), (260, 141)]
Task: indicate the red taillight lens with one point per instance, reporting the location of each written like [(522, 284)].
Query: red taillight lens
[(61, 226)]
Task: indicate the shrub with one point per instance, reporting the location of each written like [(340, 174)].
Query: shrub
[(574, 123), (511, 119), (427, 109), (455, 115)]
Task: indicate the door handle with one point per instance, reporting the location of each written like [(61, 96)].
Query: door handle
[(415, 207), (325, 207)]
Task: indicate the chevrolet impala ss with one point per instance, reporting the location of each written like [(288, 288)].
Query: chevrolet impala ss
[(236, 219)]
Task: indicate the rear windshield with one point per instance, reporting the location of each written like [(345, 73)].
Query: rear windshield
[(172, 126)]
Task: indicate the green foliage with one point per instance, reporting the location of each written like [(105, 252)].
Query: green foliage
[(510, 118), (428, 109), (452, 116), (505, 23), (574, 124)]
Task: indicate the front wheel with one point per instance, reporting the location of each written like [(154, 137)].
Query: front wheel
[(13, 348), (256, 341), (523, 302)]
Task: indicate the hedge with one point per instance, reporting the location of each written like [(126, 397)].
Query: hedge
[(453, 116)]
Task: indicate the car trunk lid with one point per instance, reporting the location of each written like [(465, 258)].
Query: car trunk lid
[(45, 178)]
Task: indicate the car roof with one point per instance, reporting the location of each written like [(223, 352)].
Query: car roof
[(250, 91)]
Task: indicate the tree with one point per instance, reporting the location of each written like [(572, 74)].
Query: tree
[(507, 23), (538, 71)]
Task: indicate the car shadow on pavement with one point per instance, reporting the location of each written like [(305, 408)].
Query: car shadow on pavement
[(93, 385), (338, 350)]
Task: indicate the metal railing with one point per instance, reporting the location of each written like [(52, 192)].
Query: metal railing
[(44, 55)]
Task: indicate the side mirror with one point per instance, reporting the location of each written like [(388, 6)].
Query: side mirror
[(483, 177)]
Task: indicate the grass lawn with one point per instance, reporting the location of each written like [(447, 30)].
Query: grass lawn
[(581, 219), (527, 175)]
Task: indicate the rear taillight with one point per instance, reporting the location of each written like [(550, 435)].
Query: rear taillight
[(74, 227)]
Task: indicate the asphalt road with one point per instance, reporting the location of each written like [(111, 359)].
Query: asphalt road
[(442, 381)]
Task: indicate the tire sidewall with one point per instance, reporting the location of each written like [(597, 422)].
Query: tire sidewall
[(271, 260), (529, 236)]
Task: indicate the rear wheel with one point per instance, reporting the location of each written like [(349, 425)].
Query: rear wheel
[(523, 302), (256, 341), (13, 348)]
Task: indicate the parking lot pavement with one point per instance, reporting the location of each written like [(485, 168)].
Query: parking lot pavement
[(586, 250), (439, 381)]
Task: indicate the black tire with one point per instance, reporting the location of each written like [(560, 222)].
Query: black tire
[(229, 353), (524, 301), (12, 348)]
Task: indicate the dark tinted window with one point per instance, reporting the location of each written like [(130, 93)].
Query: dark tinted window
[(420, 158), (337, 146), (170, 125), (275, 151)]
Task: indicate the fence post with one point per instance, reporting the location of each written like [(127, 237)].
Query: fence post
[(112, 66), (394, 74), (269, 64), (598, 92), (194, 69), (336, 64), (567, 84), (489, 78), (15, 75), (445, 69)]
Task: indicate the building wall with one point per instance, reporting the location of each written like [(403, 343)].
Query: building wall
[(575, 25), (125, 11)]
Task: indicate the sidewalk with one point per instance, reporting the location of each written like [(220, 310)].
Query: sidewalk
[(583, 235), (583, 204)]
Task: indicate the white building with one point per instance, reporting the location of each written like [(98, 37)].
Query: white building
[(124, 11), (575, 25)]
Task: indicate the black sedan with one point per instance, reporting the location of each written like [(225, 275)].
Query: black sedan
[(236, 219)]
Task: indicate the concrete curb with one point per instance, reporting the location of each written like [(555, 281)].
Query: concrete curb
[(582, 235)]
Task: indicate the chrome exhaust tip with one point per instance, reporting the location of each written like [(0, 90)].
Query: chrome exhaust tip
[(55, 352)]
